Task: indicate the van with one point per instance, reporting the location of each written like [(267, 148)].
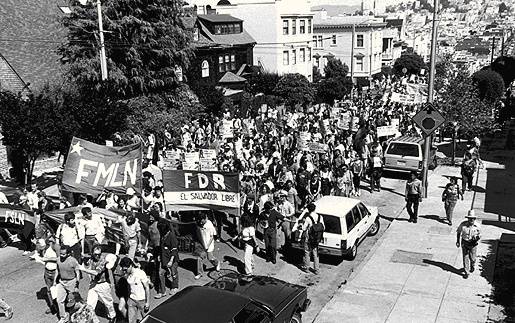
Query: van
[(347, 221), (405, 154)]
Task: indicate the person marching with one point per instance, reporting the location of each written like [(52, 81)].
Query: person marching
[(269, 219), (450, 196), (467, 237), (413, 196), (248, 236), (312, 233), (68, 273)]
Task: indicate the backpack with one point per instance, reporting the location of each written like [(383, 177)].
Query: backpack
[(316, 231), (469, 166)]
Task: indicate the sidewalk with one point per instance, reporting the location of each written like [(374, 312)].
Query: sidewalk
[(414, 275)]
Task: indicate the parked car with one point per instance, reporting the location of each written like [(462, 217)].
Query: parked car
[(234, 298), (406, 153), (347, 222)]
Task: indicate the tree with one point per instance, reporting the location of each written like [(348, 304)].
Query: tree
[(459, 102), (210, 97), (411, 61), (503, 7), (331, 89), (335, 68), (263, 83), (505, 66), (145, 45), (32, 127), (295, 89), (490, 85)]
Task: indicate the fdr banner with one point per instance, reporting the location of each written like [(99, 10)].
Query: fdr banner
[(199, 190), (91, 168)]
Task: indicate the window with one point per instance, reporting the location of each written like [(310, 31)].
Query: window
[(315, 41), (363, 210), (221, 65), (317, 61), (331, 224), (302, 29), (359, 64), (286, 57), (227, 61), (333, 40), (205, 68), (302, 57), (349, 219), (237, 28), (218, 29), (233, 62), (356, 215), (65, 10), (252, 314), (294, 27), (286, 27), (309, 26), (195, 33), (320, 41), (294, 57), (360, 40), (309, 54), (403, 149)]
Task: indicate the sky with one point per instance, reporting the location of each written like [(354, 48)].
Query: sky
[(348, 2)]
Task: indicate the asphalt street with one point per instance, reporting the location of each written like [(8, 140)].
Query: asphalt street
[(22, 285)]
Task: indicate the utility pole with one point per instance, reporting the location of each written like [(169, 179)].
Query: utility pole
[(103, 59), (352, 61), (493, 49), (427, 139), (502, 43)]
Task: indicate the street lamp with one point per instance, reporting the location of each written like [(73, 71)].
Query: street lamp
[(103, 60)]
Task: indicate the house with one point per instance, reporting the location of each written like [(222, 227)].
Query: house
[(29, 37), (223, 50), (336, 37), (282, 30)]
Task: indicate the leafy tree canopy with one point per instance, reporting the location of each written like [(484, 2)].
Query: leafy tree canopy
[(335, 68), (505, 66), (490, 84), (145, 42), (263, 83), (411, 61), (295, 89)]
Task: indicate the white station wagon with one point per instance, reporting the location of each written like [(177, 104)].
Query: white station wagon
[(347, 221)]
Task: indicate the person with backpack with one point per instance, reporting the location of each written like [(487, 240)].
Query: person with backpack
[(312, 234)]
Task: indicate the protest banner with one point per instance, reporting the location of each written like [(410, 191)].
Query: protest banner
[(386, 131), (395, 122), (200, 190), (344, 121), (354, 125), (91, 168), (14, 217), (304, 138), (191, 161), (208, 160), (227, 129), (172, 159), (317, 147)]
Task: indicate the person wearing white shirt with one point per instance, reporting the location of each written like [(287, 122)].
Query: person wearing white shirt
[(309, 218), (138, 302), (49, 259), (206, 233), (71, 234), (94, 228), (3, 198)]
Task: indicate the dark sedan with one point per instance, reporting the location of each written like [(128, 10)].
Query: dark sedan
[(234, 298)]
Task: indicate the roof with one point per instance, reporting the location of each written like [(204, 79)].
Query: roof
[(219, 18), (200, 304), (393, 22), (30, 34), (323, 53), (230, 77), (242, 38), (335, 205), (416, 140), (347, 22)]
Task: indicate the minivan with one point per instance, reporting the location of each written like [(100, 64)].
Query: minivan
[(347, 221), (405, 154)]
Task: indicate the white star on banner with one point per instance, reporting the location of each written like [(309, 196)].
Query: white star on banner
[(77, 148)]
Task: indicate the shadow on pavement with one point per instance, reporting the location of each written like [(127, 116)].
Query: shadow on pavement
[(235, 262), (391, 218), (443, 266), (434, 217)]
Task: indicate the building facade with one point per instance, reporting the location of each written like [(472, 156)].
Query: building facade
[(333, 37), (282, 30), (223, 49)]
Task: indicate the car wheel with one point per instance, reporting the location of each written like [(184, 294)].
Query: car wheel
[(353, 252), (374, 228), (296, 318)]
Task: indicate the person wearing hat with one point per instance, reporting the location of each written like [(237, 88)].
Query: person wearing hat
[(467, 237), (413, 196), (269, 219)]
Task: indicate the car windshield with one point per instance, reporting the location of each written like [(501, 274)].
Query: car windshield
[(252, 314), (403, 149), (331, 224)]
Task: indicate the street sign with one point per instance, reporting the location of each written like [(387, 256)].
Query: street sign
[(428, 119)]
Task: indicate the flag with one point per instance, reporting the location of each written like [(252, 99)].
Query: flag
[(91, 168)]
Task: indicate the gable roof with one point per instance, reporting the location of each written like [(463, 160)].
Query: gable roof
[(29, 37), (230, 77), (242, 38), (219, 18)]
